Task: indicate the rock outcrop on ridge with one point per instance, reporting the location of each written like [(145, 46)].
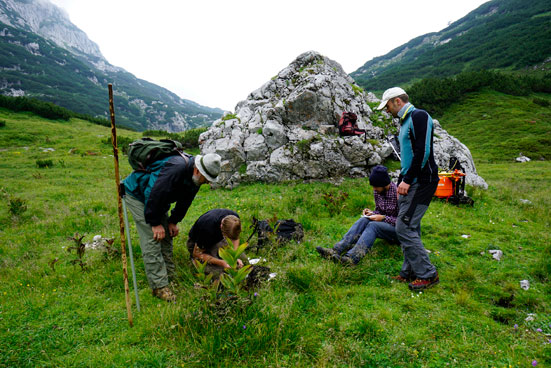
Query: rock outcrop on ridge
[(287, 129)]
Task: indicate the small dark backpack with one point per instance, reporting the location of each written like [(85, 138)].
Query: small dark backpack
[(289, 230), (145, 151), (348, 125), (285, 230)]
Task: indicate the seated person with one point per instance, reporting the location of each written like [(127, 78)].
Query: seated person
[(371, 225), (208, 234)]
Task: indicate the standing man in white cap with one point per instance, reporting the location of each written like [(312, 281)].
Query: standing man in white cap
[(417, 183), (151, 192)]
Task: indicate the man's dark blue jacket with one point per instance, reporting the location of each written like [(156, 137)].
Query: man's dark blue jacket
[(166, 181)]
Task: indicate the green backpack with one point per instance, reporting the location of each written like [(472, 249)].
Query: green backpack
[(145, 151)]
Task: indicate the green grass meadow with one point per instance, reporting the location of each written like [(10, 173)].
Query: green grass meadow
[(314, 313)]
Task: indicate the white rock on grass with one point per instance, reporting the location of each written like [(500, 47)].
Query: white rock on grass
[(496, 254), (522, 158), (96, 244)]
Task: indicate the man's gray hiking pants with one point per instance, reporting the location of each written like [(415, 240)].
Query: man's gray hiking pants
[(157, 256), (412, 207)]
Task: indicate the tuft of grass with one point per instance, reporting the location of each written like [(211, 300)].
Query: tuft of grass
[(43, 164), (542, 102), (230, 117), (17, 206)]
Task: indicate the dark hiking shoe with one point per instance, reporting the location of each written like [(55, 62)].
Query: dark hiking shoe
[(328, 253), (399, 278), (347, 261), (422, 284), (164, 294)]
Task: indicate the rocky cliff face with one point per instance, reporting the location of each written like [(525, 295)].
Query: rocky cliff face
[(50, 22), (287, 129)]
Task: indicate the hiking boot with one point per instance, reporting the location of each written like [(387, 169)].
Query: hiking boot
[(422, 284), (399, 278), (164, 294), (327, 253), (347, 261)]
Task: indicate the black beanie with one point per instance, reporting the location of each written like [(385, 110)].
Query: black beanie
[(379, 177)]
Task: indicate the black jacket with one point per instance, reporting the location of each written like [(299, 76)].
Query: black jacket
[(167, 181), (206, 230)]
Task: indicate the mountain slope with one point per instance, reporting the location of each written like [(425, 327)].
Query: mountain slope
[(510, 34), (44, 55)]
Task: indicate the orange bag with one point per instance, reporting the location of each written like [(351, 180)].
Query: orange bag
[(444, 188)]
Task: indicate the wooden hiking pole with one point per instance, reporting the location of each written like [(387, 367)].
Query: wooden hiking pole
[(121, 221)]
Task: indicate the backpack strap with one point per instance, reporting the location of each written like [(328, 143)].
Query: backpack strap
[(184, 156)]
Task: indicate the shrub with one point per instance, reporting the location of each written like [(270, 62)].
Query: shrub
[(44, 163), (2, 123), (229, 117), (122, 143), (17, 206), (188, 138), (47, 110), (304, 145), (540, 101), (234, 277), (80, 249)]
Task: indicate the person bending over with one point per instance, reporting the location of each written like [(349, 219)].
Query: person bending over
[(149, 195), (209, 233)]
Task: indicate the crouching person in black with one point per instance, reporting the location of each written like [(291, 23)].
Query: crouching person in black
[(208, 234)]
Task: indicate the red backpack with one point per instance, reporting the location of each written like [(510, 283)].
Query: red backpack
[(348, 125)]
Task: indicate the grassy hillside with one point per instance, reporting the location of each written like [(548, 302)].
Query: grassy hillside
[(497, 127), (314, 313)]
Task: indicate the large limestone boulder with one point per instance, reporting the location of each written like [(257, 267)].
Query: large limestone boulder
[(287, 129)]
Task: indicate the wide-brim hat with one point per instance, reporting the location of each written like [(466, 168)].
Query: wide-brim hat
[(390, 94), (209, 166)]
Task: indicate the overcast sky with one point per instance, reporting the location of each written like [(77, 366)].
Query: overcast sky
[(215, 52)]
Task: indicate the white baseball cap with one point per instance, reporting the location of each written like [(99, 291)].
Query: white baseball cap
[(390, 94)]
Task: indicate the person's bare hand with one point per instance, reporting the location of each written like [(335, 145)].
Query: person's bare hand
[(225, 265), (377, 217), (239, 263), (173, 230), (367, 212), (158, 232), (403, 188)]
